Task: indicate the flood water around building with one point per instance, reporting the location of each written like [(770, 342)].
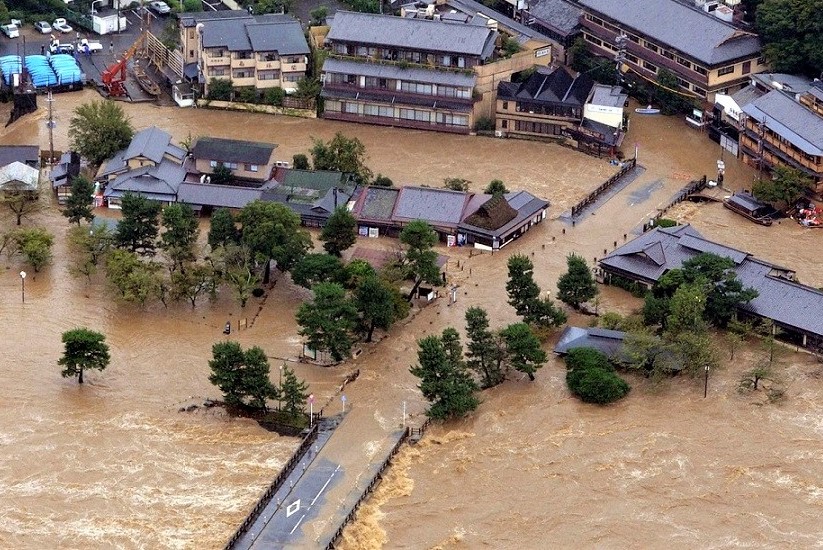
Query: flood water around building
[(115, 464)]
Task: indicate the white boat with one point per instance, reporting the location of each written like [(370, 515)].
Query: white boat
[(647, 110)]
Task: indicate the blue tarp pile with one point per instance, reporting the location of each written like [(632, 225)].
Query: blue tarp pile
[(9, 65), (66, 69), (41, 72)]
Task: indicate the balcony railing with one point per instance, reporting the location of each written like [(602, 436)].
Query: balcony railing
[(400, 122)]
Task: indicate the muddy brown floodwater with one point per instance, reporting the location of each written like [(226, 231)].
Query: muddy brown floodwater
[(114, 464)]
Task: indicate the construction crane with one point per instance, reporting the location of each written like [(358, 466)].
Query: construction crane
[(114, 76)]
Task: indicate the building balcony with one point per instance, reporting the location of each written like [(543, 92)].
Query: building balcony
[(293, 67), (772, 156), (270, 83), (216, 61), (242, 63), (348, 91), (268, 65), (398, 122), (245, 81)]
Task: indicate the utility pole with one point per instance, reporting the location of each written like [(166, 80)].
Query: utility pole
[(50, 125), (620, 56)]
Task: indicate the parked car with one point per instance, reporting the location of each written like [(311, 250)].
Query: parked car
[(93, 46), (160, 8), (61, 25), (61, 48), (42, 27), (10, 30)]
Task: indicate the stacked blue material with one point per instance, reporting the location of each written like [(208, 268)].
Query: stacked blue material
[(41, 72), (66, 69), (10, 65)]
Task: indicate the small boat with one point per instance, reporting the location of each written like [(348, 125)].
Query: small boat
[(647, 110), (145, 82), (750, 208)]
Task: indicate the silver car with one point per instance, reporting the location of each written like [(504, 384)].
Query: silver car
[(42, 27), (160, 8)]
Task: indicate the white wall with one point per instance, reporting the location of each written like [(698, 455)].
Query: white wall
[(611, 116)]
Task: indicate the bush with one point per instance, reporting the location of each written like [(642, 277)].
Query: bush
[(666, 222), (220, 89), (591, 377), (484, 124), (274, 96), (300, 162), (246, 94)]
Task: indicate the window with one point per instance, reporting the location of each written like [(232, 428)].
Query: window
[(761, 60), (747, 67), (452, 120), (269, 56), (251, 168), (243, 73), (213, 163), (651, 47), (649, 66), (243, 55), (351, 79), (700, 70), (505, 105), (632, 58), (725, 70), (191, 53), (292, 77), (268, 75), (504, 124), (682, 61), (350, 108), (594, 40), (371, 110), (387, 112), (218, 72), (634, 38)]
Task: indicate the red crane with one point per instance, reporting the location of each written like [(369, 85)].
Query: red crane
[(114, 76)]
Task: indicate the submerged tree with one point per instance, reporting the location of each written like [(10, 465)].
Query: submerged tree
[(222, 228), (340, 232), (577, 285), (293, 392), (242, 376), (485, 354), (421, 260), (99, 129), (137, 231), (328, 321), (347, 155), (443, 381), (523, 352), (84, 349), (79, 204)]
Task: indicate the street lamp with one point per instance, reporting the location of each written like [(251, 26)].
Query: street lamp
[(311, 410), (706, 383), (23, 282), (280, 387)]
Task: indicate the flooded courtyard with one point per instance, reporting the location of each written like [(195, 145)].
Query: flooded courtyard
[(115, 464)]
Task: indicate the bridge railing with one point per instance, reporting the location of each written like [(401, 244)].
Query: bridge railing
[(273, 487), (693, 187), (603, 187)]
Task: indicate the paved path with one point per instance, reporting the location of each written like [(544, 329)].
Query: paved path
[(321, 490)]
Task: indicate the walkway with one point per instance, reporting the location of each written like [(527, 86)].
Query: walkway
[(320, 492)]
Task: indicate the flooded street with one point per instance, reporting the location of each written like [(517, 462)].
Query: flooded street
[(114, 464)]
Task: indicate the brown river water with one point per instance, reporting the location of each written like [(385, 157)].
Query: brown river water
[(114, 464)]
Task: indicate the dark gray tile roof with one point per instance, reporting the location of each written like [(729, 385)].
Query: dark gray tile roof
[(233, 150), (412, 74), (786, 302), (228, 196), (607, 342), (411, 34), (150, 142), (263, 33), (557, 86), (376, 203), (190, 19), (440, 207), (521, 31), (790, 120), (746, 200), (611, 135), (746, 95), (789, 83), (670, 23), (559, 14), (161, 181), (28, 154)]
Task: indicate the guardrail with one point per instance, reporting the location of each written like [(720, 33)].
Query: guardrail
[(409, 432), (605, 186), (275, 485), (683, 194)]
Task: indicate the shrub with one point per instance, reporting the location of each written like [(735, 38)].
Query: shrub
[(300, 162), (484, 124), (274, 96), (220, 89), (246, 94), (591, 377), (666, 222)]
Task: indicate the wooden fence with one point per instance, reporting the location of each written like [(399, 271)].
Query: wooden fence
[(605, 186), (275, 485)]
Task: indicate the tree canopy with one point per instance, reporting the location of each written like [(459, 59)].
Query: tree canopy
[(137, 231), (222, 228), (379, 304), (496, 187), (524, 295), (35, 245), (84, 349), (444, 381), (421, 260), (523, 352), (485, 353), (328, 321), (347, 155), (784, 188), (272, 230), (181, 232), (312, 269), (242, 376), (591, 377), (340, 232), (78, 206), (99, 129), (577, 285), (792, 33)]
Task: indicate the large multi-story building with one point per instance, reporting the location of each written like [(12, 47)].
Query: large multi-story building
[(779, 131), (260, 52), (706, 54), (417, 72)]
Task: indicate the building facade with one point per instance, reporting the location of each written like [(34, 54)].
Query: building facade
[(258, 52), (248, 160), (706, 54)]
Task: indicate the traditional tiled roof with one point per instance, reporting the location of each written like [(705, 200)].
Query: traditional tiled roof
[(376, 204), (557, 86), (790, 120), (27, 154), (671, 23), (561, 15), (607, 342), (439, 207), (159, 182), (264, 33), (225, 196), (233, 150), (412, 34)]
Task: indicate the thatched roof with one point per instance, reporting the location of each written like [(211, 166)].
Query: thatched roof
[(492, 214)]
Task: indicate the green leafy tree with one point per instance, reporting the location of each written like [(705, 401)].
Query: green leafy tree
[(242, 376), (521, 288), (496, 187), (135, 280), (222, 228), (510, 46), (99, 129), (792, 33), (600, 69), (786, 186), (84, 349), (686, 310), (318, 15), (448, 387), (317, 268), (137, 231), (695, 351), (421, 259), (347, 155), (220, 89), (180, 236), (357, 271), (649, 354), (89, 246), (577, 285), (591, 377), (456, 184), (300, 162), (272, 230), (668, 94), (21, 203), (221, 175), (294, 393), (328, 321), (35, 245), (307, 88), (485, 355), (523, 351), (340, 232), (192, 282), (243, 281), (375, 301), (79, 203), (382, 181), (724, 291)]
